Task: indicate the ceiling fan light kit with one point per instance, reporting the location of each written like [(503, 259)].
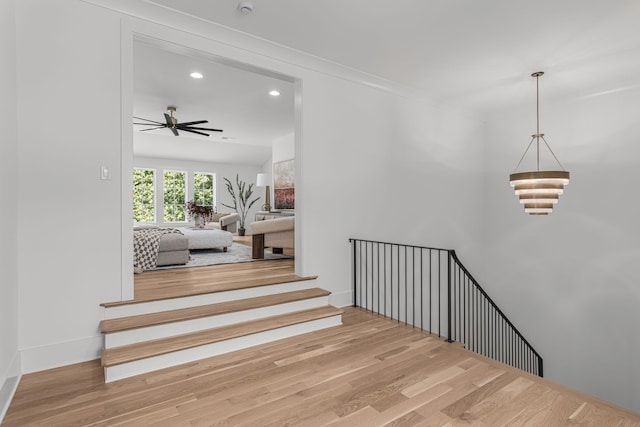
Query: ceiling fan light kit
[(538, 190), (174, 126)]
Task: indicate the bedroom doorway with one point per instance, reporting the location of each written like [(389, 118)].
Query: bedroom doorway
[(258, 128)]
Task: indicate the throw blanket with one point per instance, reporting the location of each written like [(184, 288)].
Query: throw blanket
[(146, 242)]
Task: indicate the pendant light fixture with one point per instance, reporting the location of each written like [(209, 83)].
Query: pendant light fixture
[(538, 190)]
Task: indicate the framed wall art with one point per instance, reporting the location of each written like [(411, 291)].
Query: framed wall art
[(284, 185)]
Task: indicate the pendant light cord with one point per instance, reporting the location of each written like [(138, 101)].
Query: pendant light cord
[(537, 123), (538, 135), (537, 105)]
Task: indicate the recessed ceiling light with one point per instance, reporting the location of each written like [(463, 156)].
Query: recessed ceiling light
[(274, 93), (196, 75)]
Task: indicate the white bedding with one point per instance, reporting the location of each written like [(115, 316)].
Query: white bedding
[(207, 239)]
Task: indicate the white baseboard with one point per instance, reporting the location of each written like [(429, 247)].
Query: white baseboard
[(9, 385), (6, 394), (50, 356), (341, 299)]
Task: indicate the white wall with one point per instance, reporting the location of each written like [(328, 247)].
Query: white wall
[(246, 173), (380, 166), (570, 280), (373, 165), (69, 220), (283, 148), (9, 357)]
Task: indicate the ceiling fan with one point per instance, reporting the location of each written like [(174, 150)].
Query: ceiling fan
[(174, 126)]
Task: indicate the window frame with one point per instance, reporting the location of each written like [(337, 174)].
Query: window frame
[(213, 187), (186, 196), (153, 198)]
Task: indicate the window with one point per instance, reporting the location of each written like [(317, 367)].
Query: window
[(203, 189), (143, 195), (175, 185)]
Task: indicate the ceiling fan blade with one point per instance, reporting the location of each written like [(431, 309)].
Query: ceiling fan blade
[(174, 130), (197, 122), (168, 119), (151, 124), (152, 121), (192, 127), (194, 131), (154, 128)]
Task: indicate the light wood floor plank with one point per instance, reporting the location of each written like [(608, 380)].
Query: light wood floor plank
[(164, 317), (117, 355), (178, 282), (352, 375)]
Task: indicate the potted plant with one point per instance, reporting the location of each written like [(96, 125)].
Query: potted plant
[(241, 203), (200, 214)]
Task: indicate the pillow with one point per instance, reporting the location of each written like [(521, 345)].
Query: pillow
[(144, 227), (215, 217)]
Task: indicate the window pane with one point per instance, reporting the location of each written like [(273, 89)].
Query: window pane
[(143, 197), (175, 184), (203, 191)]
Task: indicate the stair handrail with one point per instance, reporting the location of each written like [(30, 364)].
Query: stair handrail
[(377, 270), (454, 256)]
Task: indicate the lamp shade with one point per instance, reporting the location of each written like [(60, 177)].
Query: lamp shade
[(539, 190), (262, 180)]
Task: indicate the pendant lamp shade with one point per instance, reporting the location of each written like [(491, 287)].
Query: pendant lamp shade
[(539, 190)]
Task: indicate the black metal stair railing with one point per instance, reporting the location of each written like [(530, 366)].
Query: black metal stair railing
[(431, 289)]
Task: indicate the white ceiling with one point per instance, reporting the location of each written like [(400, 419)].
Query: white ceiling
[(232, 99), (476, 54)]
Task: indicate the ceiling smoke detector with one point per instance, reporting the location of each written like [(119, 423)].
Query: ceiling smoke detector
[(245, 7)]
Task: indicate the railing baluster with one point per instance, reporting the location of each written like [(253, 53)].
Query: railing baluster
[(463, 338), (430, 293), (398, 299), (421, 290), (475, 319), (385, 279), (413, 287), (439, 287), (378, 276), (361, 274), (456, 304), (405, 285), (449, 297)]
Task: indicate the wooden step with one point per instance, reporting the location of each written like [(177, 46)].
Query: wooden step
[(129, 353), (165, 317), (159, 285), (179, 303)]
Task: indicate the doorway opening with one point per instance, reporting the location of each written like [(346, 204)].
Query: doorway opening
[(258, 131)]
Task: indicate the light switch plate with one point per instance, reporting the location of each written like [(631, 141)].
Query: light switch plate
[(105, 173)]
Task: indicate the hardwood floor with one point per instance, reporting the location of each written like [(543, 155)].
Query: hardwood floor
[(371, 371), (160, 284)]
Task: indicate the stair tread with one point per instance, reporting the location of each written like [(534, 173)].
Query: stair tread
[(170, 316), (137, 351), (237, 283)]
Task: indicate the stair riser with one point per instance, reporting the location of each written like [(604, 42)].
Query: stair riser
[(142, 366), (197, 300), (177, 328)]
